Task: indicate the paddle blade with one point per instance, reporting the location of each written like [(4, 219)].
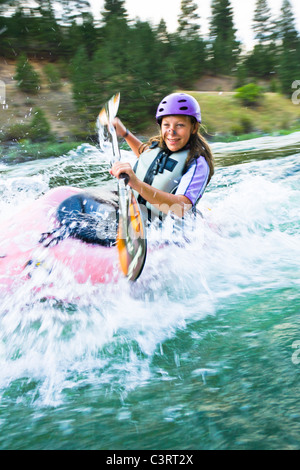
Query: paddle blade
[(103, 117), (113, 106), (110, 110), (131, 241)]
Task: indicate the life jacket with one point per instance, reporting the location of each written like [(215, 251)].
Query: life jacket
[(162, 170)]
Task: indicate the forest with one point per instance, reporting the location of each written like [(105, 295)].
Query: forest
[(143, 61)]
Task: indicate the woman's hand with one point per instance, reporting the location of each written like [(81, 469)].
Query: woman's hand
[(119, 126), (119, 167), (163, 201)]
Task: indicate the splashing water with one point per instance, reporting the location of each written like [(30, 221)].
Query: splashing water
[(196, 354)]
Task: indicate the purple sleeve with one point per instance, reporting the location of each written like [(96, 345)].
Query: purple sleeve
[(194, 181)]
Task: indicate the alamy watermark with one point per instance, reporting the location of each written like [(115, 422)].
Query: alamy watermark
[(296, 354), (296, 94), (2, 92)]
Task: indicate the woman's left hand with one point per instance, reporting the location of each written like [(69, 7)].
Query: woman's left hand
[(119, 167)]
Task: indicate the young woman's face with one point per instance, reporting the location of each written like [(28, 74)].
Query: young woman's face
[(176, 131)]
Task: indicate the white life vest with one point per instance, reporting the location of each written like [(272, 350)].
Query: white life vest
[(162, 170)]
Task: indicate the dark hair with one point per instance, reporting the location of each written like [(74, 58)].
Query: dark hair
[(198, 146)]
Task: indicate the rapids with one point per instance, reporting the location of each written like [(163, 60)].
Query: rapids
[(202, 352)]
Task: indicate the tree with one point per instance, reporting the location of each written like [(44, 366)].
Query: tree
[(289, 68), (261, 61), (114, 10), (188, 48), (188, 20), (40, 129), (73, 10), (262, 23), (162, 32), (46, 31), (82, 80), (27, 78), (225, 47)]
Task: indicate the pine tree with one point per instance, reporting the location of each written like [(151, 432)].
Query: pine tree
[(82, 80), (188, 20), (262, 23), (287, 31), (73, 10), (40, 129), (114, 10), (289, 66), (188, 46), (261, 61), (47, 31), (27, 78), (225, 47), (162, 32)]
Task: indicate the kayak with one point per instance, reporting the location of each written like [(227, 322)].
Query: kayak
[(22, 253)]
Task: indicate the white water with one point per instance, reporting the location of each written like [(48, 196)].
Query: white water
[(108, 336)]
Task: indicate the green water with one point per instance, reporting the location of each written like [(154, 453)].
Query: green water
[(200, 353)]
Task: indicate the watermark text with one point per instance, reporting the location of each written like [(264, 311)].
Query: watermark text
[(2, 93), (296, 354), (296, 94)]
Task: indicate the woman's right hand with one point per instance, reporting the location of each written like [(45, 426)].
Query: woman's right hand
[(119, 126)]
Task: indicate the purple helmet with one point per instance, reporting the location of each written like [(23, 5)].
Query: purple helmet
[(178, 103)]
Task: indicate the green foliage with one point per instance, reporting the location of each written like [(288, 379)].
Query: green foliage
[(250, 94), (27, 78), (15, 132), (188, 20), (142, 61), (244, 126), (224, 46), (130, 60), (40, 129), (262, 60), (289, 49), (262, 23), (53, 77)]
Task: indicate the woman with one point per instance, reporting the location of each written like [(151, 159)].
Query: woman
[(174, 168), (171, 174)]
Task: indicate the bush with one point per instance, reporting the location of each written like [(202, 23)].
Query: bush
[(27, 78), (16, 132), (249, 95), (244, 126), (53, 77), (40, 129)]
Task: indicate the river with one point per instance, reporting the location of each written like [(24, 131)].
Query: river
[(202, 352)]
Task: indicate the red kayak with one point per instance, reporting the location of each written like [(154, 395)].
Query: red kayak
[(21, 252)]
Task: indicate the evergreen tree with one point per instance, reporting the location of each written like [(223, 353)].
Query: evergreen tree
[(9, 6), (189, 48), (82, 80), (27, 78), (40, 129), (289, 63), (262, 22), (287, 31), (225, 47), (73, 10), (114, 10), (188, 20), (96, 78), (162, 32), (47, 32)]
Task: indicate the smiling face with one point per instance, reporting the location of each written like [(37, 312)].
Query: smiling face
[(176, 131)]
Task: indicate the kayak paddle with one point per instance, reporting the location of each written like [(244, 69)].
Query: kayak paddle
[(131, 240)]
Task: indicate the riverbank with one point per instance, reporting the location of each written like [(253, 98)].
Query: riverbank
[(225, 119), (19, 152)]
